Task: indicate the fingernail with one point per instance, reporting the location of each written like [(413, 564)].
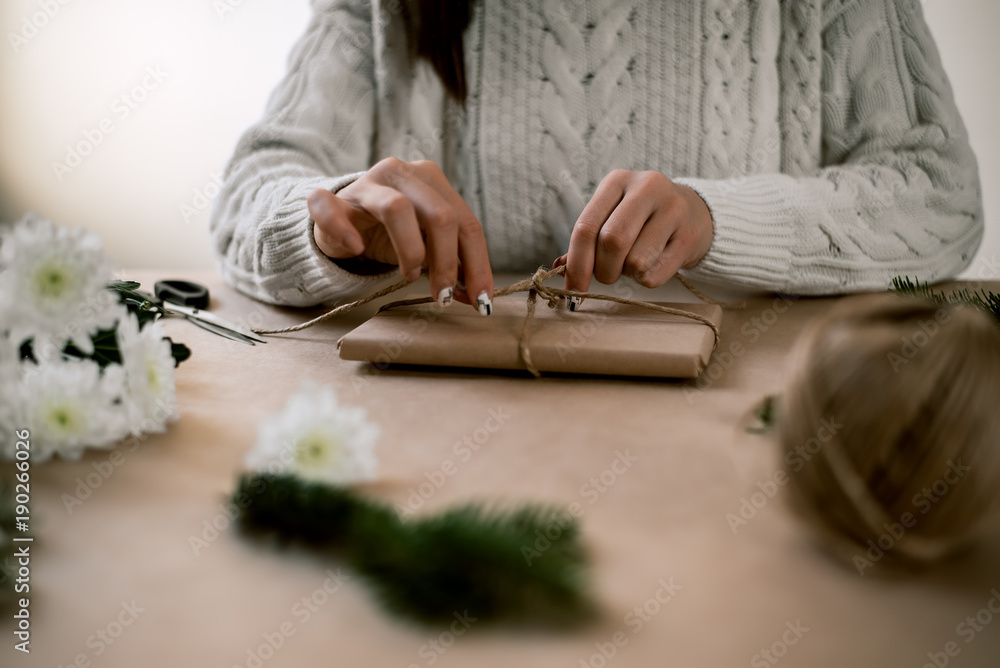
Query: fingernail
[(445, 295), (485, 304), (575, 302)]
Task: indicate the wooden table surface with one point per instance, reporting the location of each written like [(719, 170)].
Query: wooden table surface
[(145, 569)]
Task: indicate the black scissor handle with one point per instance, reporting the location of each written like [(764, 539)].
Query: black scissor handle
[(180, 292)]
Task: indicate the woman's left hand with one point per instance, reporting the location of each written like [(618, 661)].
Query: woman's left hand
[(637, 224)]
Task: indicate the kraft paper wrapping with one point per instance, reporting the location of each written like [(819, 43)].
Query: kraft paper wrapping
[(602, 338)]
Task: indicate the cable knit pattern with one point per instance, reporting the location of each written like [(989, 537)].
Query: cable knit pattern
[(587, 103), (726, 80), (801, 64), (610, 49), (823, 136), (897, 191), (563, 113)]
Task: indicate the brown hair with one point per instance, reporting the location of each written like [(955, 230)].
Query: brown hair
[(908, 465), (437, 27)]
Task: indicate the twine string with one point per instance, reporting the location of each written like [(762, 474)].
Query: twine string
[(340, 310), (535, 287)]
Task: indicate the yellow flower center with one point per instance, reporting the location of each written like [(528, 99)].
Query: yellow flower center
[(152, 376), (316, 448), (65, 419), (51, 281)]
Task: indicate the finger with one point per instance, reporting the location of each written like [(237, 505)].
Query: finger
[(559, 261), (667, 264), (378, 245), (439, 221), (332, 228), (476, 264), (397, 214), (472, 251), (460, 293), (646, 253), (618, 235), (583, 241)]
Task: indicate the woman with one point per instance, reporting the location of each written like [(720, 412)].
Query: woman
[(800, 146)]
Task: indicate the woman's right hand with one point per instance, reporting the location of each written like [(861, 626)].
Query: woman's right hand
[(407, 214)]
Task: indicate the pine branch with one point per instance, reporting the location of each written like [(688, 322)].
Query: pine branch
[(766, 415), (520, 565), (982, 299), (315, 514), (914, 288), (483, 561)]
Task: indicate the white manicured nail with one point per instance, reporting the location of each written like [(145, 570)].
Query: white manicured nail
[(445, 296), (485, 304), (575, 302)]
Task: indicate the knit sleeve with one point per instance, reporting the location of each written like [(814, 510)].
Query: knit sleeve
[(897, 192), (316, 133)]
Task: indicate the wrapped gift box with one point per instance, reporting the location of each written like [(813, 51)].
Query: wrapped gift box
[(603, 338)]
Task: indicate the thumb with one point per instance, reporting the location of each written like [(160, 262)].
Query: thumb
[(332, 228)]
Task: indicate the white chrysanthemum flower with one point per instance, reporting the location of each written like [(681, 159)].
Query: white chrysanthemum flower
[(315, 438), (69, 405), (10, 357), (10, 381), (53, 281), (149, 375)]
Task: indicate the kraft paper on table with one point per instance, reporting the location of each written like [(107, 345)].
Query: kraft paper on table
[(658, 468)]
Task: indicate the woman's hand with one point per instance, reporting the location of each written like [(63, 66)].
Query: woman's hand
[(406, 213), (637, 224)]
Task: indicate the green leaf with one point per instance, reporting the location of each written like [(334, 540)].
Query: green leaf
[(105, 349), (180, 351), (129, 290)]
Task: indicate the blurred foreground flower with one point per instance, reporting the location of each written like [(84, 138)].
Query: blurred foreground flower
[(149, 375), (316, 439), (70, 405), (53, 280), (77, 369)]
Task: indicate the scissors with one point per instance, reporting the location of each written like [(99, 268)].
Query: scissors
[(188, 300)]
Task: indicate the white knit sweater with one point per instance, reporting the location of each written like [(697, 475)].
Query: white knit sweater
[(822, 135)]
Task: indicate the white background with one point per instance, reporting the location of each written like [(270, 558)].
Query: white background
[(220, 66)]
